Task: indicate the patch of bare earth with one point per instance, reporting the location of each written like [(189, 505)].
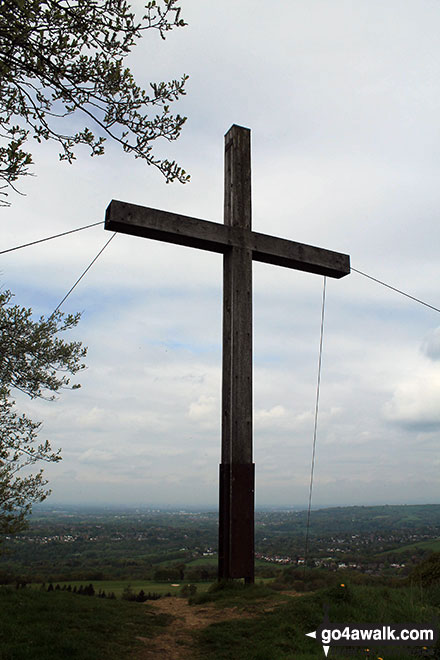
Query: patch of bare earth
[(176, 641)]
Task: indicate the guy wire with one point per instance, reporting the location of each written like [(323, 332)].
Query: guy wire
[(318, 388)]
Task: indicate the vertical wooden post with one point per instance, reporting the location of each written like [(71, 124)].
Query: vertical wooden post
[(237, 473)]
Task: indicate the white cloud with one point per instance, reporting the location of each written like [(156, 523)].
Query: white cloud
[(96, 418), (431, 345), (264, 417), (95, 456), (205, 409), (416, 401)]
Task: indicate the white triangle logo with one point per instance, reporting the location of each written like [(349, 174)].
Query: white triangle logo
[(325, 648)]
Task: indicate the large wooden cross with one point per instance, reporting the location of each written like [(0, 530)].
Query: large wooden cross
[(239, 246)]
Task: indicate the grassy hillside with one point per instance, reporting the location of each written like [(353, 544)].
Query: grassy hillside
[(36, 625), (280, 633), (262, 625)]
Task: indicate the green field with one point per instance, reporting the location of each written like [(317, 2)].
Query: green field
[(118, 586), (200, 561), (431, 546), (212, 561)]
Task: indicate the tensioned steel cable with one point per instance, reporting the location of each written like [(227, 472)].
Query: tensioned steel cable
[(81, 276), (393, 288), (49, 238), (315, 430)]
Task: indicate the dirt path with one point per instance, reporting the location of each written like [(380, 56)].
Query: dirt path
[(175, 642)]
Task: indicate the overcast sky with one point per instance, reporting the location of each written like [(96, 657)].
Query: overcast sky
[(343, 101)]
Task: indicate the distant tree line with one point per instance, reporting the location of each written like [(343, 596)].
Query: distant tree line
[(81, 590)]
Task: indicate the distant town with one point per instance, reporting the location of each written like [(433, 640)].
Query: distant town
[(169, 545)]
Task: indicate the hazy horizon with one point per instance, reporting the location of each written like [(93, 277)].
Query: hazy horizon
[(55, 506)]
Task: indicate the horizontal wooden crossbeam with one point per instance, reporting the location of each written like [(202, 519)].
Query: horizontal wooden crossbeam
[(204, 235)]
